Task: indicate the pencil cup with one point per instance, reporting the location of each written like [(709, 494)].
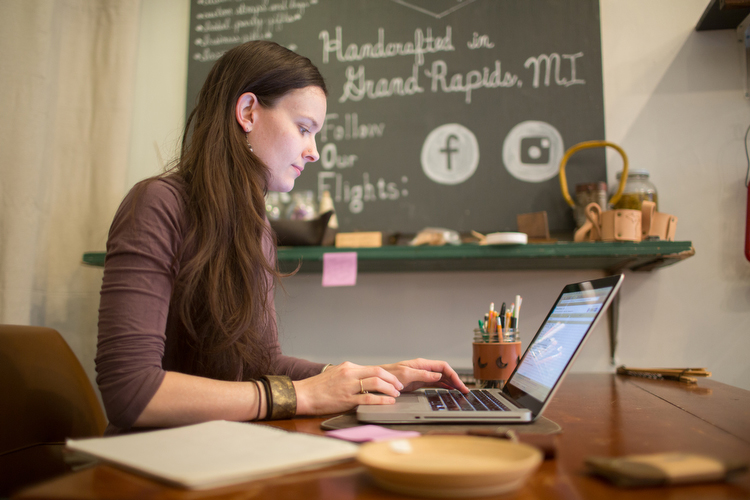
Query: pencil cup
[(493, 362), (479, 335), (511, 335)]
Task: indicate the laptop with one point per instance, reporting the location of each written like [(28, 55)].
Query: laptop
[(530, 388)]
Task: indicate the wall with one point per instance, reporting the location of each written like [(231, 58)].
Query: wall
[(673, 100), (160, 89)]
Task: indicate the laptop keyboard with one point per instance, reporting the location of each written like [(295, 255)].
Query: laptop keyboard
[(453, 400)]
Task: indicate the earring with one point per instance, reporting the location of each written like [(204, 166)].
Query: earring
[(248, 140)]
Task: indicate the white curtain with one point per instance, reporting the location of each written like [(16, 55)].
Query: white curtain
[(66, 92)]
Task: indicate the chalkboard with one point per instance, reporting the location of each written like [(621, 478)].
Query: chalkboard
[(441, 113)]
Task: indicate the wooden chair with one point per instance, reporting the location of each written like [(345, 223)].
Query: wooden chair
[(45, 397)]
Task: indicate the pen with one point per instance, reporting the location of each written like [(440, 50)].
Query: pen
[(495, 325), (485, 336), (518, 309), (491, 325)]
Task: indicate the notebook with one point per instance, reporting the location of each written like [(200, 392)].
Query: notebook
[(530, 388), (217, 453)]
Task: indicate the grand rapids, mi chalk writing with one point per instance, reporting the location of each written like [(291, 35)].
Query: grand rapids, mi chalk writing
[(358, 86)]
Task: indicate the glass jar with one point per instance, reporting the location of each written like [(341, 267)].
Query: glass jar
[(302, 206), (273, 206), (589, 192), (637, 188)]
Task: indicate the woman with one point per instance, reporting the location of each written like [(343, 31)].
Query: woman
[(187, 328)]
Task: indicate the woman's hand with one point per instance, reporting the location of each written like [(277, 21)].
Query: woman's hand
[(416, 373), (340, 388)]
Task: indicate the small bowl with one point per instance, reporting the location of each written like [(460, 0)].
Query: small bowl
[(450, 466), (301, 232), (506, 239)]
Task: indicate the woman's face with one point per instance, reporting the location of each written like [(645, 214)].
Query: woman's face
[(283, 136)]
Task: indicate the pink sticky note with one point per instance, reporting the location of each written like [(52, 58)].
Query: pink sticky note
[(363, 433), (340, 269)]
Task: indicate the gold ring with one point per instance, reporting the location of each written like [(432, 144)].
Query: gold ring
[(362, 387)]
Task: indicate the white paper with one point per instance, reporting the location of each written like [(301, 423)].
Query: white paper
[(216, 453)]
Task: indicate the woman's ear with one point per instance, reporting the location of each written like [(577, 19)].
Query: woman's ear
[(245, 110)]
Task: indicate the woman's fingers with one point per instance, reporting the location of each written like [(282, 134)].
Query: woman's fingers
[(383, 377), (375, 384), (350, 370), (343, 387), (387, 392), (420, 378), (375, 399), (447, 374), (417, 373)]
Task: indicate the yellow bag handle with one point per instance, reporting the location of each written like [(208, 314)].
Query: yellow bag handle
[(589, 145)]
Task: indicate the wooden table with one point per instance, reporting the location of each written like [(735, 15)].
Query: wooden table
[(601, 415)]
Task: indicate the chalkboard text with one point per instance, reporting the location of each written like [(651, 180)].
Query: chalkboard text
[(422, 44), (480, 41), (357, 87), (471, 81), (355, 195), (333, 129), (554, 60)]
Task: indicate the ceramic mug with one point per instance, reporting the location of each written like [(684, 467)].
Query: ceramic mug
[(614, 225), (591, 229), (621, 225), (657, 224)]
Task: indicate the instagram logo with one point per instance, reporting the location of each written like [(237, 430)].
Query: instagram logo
[(535, 150), (532, 151)]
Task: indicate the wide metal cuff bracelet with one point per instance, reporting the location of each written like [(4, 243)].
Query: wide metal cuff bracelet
[(283, 398)]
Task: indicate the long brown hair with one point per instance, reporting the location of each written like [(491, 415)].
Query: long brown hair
[(222, 291)]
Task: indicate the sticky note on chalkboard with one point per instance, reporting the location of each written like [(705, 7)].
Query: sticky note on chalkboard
[(340, 269)]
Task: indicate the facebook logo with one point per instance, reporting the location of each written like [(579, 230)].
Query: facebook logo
[(450, 154)]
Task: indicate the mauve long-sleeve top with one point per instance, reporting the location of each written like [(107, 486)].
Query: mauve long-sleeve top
[(138, 326)]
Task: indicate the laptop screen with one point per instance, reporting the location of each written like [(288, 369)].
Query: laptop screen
[(555, 345)]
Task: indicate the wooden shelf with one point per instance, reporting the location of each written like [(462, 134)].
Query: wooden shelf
[(723, 14), (611, 256)]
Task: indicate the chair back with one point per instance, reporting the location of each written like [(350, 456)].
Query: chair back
[(45, 397)]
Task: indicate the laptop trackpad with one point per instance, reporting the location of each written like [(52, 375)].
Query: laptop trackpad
[(407, 401)]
